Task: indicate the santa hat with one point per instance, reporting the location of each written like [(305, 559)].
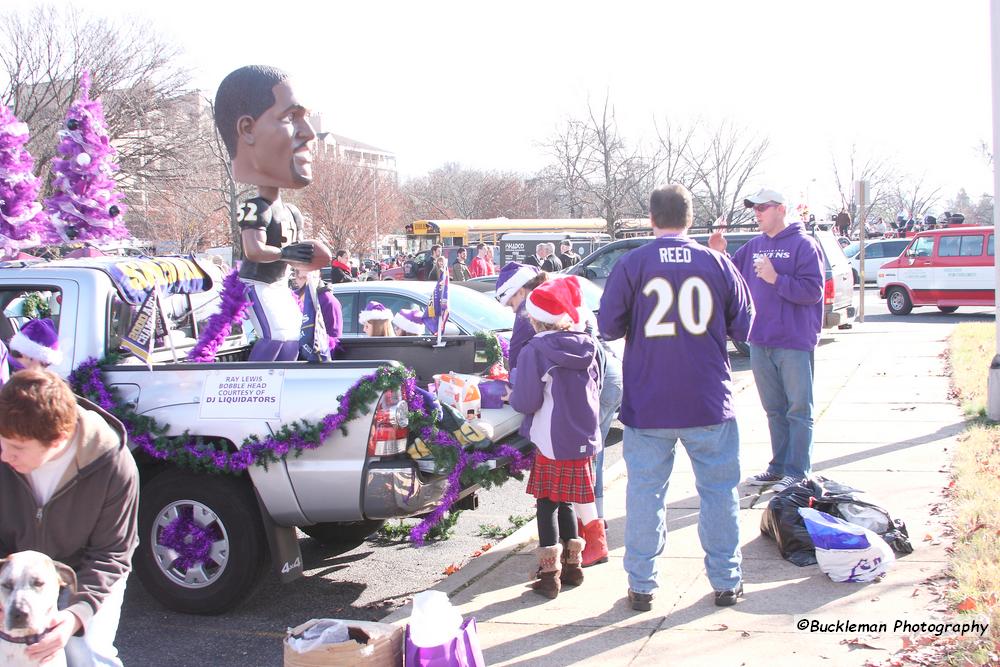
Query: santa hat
[(554, 300), (39, 340), (512, 277), (410, 321), (374, 311)]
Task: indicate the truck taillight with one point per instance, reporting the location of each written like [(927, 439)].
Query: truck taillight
[(828, 292), (390, 426)]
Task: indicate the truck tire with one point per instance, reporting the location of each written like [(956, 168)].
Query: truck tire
[(898, 301), (342, 533), (218, 517)]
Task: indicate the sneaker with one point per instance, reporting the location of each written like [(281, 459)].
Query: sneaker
[(762, 479), (728, 598), (640, 601), (784, 483)]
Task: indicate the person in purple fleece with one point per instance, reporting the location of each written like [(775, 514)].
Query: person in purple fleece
[(675, 302), (557, 389), (784, 269), (514, 282)]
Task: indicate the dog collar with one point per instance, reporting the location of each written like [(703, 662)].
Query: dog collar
[(27, 639)]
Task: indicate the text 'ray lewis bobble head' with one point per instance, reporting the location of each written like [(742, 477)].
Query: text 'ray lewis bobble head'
[(269, 139)]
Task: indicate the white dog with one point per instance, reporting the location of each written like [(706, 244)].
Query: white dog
[(29, 594)]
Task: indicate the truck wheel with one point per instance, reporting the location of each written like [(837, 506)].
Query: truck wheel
[(342, 533), (898, 301), (202, 548), (948, 309)]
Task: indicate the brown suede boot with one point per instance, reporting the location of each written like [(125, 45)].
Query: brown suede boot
[(597, 543), (572, 573), (549, 568)]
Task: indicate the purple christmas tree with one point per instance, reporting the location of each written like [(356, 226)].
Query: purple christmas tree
[(84, 205), (21, 219)]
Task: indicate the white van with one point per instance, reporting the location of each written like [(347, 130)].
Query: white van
[(515, 247)]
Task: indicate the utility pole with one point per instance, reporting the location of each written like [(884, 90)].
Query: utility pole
[(861, 197), (993, 379)]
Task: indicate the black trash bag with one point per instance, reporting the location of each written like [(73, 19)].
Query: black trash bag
[(782, 522)]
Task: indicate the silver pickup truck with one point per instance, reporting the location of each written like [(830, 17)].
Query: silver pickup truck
[(341, 491)]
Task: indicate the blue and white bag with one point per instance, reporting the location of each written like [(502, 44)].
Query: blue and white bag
[(845, 551)]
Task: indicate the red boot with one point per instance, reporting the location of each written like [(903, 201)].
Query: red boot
[(596, 550)]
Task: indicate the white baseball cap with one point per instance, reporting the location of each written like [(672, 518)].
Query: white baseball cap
[(763, 196)]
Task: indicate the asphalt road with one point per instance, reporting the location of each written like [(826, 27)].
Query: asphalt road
[(368, 580)]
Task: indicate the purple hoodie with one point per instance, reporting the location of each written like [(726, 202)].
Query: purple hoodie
[(519, 337), (557, 389), (789, 313)]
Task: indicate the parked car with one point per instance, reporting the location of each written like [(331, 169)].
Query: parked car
[(877, 253), (471, 311), (946, 268), (838, 291)]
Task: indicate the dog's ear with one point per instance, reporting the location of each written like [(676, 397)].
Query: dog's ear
[(67, 577)]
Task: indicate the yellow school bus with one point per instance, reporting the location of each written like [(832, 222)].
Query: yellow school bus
[(468, 232)]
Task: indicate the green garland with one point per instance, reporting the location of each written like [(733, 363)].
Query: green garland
[(493, 351), (35, 306)]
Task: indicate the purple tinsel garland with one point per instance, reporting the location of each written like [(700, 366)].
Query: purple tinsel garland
[(191, 541), (233, 308)]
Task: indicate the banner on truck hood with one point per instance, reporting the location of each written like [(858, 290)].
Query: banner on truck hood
[(136, 277)]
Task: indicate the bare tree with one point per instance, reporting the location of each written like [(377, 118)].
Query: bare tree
[(882, 180), (452, 191), (976, 213), (567, 175), (134, 70), (730, 156), (348, 205), (915, 197)]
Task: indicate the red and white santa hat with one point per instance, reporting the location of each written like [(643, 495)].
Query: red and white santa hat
[(555, 300), (39, 340)]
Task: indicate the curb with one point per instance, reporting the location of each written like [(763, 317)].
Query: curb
[(489, 561)]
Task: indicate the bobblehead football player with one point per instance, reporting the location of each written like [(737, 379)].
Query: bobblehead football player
[(269, 140)]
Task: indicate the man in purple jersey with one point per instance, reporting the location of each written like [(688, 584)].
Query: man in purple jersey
[(784, 269), (676, 302)]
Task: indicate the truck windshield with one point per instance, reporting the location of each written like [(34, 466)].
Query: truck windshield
[(480, 310)]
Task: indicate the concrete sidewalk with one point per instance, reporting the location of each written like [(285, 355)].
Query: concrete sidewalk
[(883, 424)]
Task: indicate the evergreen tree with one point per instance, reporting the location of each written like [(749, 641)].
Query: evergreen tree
[(84, 205), (21, 219)]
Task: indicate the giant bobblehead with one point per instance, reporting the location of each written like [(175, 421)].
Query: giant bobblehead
[(269, 140)]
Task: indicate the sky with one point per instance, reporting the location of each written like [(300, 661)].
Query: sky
[(485, 84)]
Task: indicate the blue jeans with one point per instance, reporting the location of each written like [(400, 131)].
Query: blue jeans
[(611, 400), (784, 381), (649, 458)]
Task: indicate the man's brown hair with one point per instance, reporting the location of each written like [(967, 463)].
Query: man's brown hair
[(670, 207), (37, 405)]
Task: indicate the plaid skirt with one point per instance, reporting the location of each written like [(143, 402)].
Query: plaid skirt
[(562, 481)]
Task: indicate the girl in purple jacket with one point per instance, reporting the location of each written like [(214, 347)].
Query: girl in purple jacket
[(557, 389)]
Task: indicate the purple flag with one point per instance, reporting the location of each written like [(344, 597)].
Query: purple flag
[(437, 310)]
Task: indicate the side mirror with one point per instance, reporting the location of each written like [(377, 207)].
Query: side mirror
[(911, 252), (589, 273)]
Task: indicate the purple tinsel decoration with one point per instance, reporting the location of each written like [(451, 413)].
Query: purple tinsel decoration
[(504, 346), (21, 217), (232, 309), (84, 205), (190, 541)]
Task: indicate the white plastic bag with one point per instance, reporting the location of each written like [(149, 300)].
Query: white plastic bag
[(433, 620), (845, 551), (325, 631)]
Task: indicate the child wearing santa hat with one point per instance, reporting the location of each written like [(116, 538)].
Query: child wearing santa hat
[(376, 320), (408, 322), (36, 345), (557, 389)]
